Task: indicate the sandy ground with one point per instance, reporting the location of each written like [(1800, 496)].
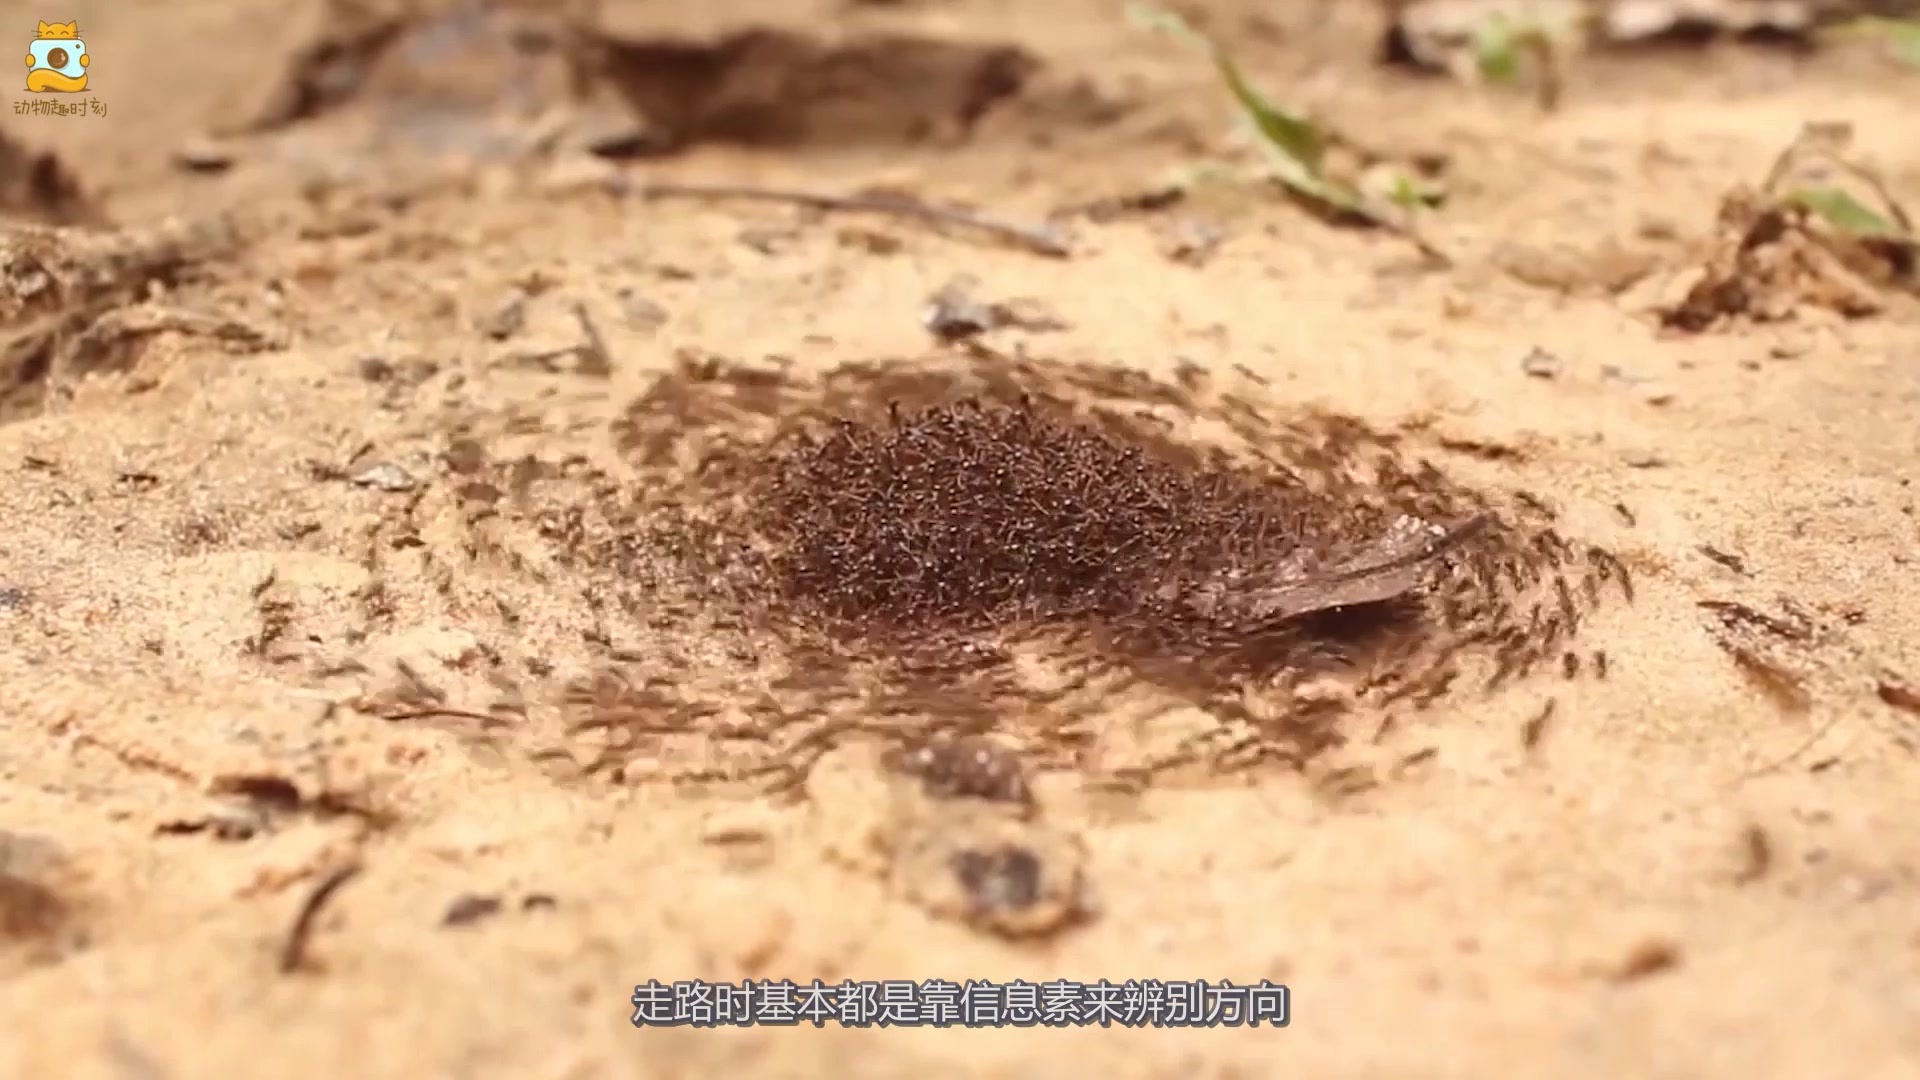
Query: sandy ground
[(217, 602)]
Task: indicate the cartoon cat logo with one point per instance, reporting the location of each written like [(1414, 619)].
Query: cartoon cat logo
[(57, 60)]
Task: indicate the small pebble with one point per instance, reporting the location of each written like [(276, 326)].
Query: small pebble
[(506, 319), (385, 476), (1540, 364)]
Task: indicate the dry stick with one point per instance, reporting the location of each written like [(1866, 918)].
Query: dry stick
[(1039, 240), (293, 955), (599, 361), (435, 714)]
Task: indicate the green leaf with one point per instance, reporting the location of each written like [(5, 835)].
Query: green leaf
[(1293, 145), (1289, 132), (1848, 214), (1405, 192), (1496, 51)]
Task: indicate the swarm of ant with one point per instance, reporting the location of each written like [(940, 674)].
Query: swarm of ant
[(1047, 556)]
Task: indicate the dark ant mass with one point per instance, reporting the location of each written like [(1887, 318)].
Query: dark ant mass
[(1024, 548)]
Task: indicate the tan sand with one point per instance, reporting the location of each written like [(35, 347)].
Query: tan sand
[(1688, 875)]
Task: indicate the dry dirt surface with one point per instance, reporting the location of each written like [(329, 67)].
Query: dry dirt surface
[(506, 503)]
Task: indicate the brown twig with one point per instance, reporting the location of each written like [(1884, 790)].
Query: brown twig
[(599, 359), (1039, 240), (293, 954), (435, 713)]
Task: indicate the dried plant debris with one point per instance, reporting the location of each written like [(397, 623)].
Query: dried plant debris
[(946, 551), (1774, 651), (64, 296), (1821, 230)]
